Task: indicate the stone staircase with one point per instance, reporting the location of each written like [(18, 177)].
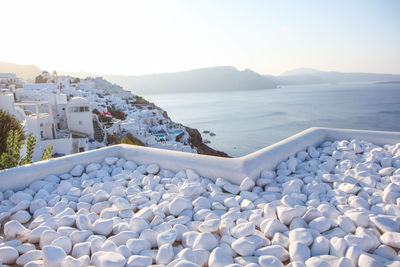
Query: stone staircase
[(98, 132)]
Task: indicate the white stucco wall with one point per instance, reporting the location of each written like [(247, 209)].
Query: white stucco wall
[(7, 102), (61, 146), (39, 86), (80, 121), (233, 169)]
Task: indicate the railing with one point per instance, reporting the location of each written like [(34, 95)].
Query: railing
[(232, 169)]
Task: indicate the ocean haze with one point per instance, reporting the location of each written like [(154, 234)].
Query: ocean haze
[(312, 76), (228, 78), (245, 121), (220, 78), (223, 78)]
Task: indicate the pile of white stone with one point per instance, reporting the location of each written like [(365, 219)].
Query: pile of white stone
[(336, 205)]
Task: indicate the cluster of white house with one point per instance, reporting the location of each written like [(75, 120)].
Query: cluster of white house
[(60, 113)]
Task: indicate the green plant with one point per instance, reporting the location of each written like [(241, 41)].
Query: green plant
[(7, 123), (129, 139), (47, 152), (30, 147), (76, 80), (12, 156), (116, 113), (40, 79)]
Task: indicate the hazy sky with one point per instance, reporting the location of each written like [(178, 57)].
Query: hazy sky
[(139, 37)]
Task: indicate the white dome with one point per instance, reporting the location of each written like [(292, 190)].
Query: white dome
[(79, 100)]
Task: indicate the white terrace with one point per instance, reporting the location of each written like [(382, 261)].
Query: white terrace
[(232, 169)]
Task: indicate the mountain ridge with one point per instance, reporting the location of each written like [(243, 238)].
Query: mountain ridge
[(304, 76), (217, 78), (26, 71), (221, 78)]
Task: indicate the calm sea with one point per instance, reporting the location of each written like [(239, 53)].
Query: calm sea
[(245, 121)]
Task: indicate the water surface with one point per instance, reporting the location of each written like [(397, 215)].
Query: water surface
[(245, 121)]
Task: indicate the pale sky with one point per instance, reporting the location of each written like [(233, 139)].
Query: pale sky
[(140, 37)]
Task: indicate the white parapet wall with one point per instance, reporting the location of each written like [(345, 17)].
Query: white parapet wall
[(232, 169)]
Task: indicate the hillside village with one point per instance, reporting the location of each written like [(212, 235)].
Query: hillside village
[(76, 115)]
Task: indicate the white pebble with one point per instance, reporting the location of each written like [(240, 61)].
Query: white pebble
[(220, 257), (391, 239), (31, 255), (269, 261), (139, 261), (108, 259), (102, 226), (299, 251), (247, 184), (53, 256), (165, 254), (77, 170), (243, 246), (205, 241), (8, 255), (301, 234)]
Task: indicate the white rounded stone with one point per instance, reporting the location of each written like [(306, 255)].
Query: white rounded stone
[(111, 160), (108, 259), (385, 223), (81, 249), (243, 247), (209, 225), (136, 245), (299, 251), (243, 229), (177, 205), (8, 255), (220, 257), (274, 250), (139, 261), (273, 226), (247, 184), (367, 261), (53, 256), (153, 168), (391, 239), (25, 248), (337, 247), (320, 246), (22, 216), (31, 255), (205, 241), (165, 254), (15, 230), (102, 226), (302, 235), (167, 237), (269, 261), (64, 243), (138, 224), (77, 170), (320, 224)]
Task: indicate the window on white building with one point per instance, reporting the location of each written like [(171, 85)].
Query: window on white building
[(78, 109)]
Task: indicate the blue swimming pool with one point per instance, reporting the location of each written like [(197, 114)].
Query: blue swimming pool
[(176, 132), (159, 135)]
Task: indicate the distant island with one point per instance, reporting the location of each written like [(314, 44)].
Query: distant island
[(223, 78), (389, 82), (304, 76)]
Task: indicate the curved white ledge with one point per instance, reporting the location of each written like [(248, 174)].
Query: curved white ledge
[(232, 169)]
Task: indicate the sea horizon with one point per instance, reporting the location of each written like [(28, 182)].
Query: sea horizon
[(246, 121)]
